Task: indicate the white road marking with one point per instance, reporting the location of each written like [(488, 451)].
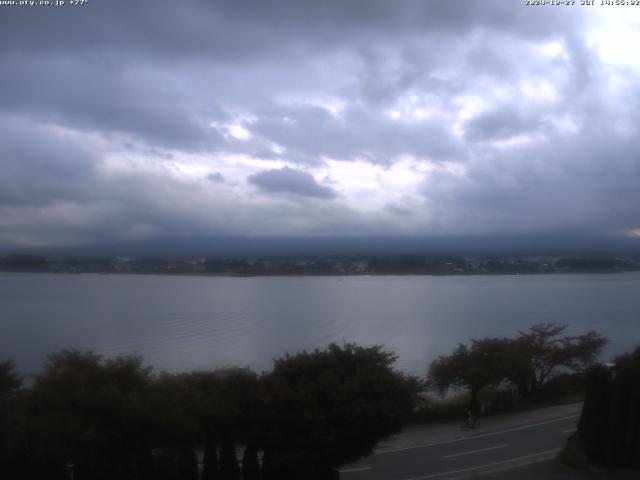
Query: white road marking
[(471, 452), (359, 469), (505, 468), (487, 465), (473, 437), (569, 430)]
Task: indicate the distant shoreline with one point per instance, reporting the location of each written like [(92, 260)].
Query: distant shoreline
[(248, 275), (338, 265)]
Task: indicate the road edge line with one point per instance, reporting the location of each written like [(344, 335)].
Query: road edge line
[(473, 437), (493, 464)]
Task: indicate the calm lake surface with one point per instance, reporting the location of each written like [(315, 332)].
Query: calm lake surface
[(184, 323)]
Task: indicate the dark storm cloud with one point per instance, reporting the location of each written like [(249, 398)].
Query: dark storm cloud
[(289, 180), (580, 183), (124, 119), (123, 67), (39, 165), (311, 132), (104, 96), (191, 27)]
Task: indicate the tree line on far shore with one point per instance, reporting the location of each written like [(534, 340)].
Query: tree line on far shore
[(320, 265)]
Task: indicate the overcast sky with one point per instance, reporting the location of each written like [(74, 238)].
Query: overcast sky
[(125, 120)]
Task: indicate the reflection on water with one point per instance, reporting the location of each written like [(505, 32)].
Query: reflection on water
[(184, 323)]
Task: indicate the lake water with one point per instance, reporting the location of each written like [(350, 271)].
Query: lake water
[(184, 323)]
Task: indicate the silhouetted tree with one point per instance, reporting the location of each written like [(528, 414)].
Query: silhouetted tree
[(269, 470), (329, 407), (210, 459), (543, 350), (228, 410), (482, 363), (625, 421), (250, 464), (10, 449), (167, 465), (609, 426), (528, 361), (173, 404), (91, 414), (229, 468), (94, 419), (10, 381), (594, 420), (187, 464)]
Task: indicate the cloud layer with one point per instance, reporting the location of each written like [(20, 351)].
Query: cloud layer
[(122, 121)]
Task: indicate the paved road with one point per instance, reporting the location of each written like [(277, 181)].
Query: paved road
[(481, 454)]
